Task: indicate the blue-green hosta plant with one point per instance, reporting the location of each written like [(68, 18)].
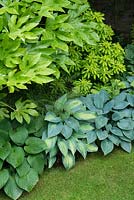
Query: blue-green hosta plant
[(22, 157), (114, 124), (34, 39), (67, 123)]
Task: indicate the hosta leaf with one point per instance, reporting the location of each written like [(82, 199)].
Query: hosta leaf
[(5, 150), (16, 157), (85, 127), (130, 99), (114, 139), (91, 137), (119, 105), (51, 117), (84, 115), (1, 164), (72, 123), (73, 105), (51, 161), (100, 99), (68, 161), (12, 190), (28, 181), (126, 139), (4, 176), (62, 144), (53, 151), (116, 131), (108, 107), (66, 131), (37, 162), (23, 169), (126, 124), (54, 129), (50, 142), (72, 145), (101, 134), (129, 134), (88, 101), (59, 104), (34, 145), (100, 122), (92, 147), (107, 146), (120, 97), (126, 146), (82, 148), (19, 136)]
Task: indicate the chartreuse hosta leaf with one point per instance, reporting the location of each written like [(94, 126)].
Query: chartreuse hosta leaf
[(50, 142), (51, 117), (84, 115), (72, 145), (73, 105), (92, 147), (68, 161), (12, 189)]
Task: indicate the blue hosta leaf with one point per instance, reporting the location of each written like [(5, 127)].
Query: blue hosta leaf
[(4, 176), (53, 151), (34, 145), (107, 146), (88, 101), (84, 115), (37, 162), (59, 104), (28, 181), (51, 117), (116, 131), (72, 123), (100, 122), (51, 161), (120, 97), (85, 127), (116, 116), (126, 146), (19, 136), (66, 131), (120, 115), (82, 148), (68, 161), (92, 147), (50, 142), (119, 105), (72, 145), (73, 105), (91, 137), (23, 169), (108, 127), (12, 189), (108, 107), (125, 139), (114, 139), (101, 134), (126, 124), (16, 157), (100, 99), (62, 144), (130, 99), (54, 129), (129, 134), (133, 115)]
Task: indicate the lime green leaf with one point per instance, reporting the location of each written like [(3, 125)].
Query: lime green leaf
[(28, 181), (84, 115), (92, 148)]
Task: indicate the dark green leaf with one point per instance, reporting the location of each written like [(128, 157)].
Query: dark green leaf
[(19, 136), (4, 176)]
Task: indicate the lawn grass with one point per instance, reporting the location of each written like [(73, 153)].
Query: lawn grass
[(96, 178)]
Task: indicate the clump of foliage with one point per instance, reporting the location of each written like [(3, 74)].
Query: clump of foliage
[(21, 156)]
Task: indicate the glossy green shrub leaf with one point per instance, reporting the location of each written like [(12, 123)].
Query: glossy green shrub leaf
[(91, 137), (34, 145), (66, 131), (126, 146), (54, 129), (102, 135), (68, 161), (100, 121), (28, 181), (62, 144), (51, 117), (4, 176), (12, 189), (16, 157), (84, 115), (107, 146), (19, 136), (126, 124), (5, 150), (37, 162), (23, 169)]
